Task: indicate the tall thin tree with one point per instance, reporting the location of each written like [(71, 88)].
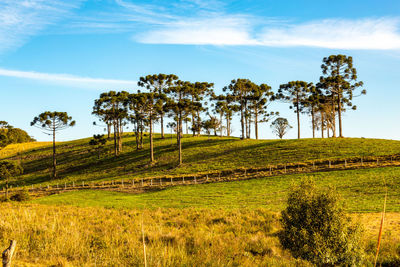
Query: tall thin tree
[(53, 122)]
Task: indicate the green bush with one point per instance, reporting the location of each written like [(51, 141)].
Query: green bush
[(22, 195), (315, 227)]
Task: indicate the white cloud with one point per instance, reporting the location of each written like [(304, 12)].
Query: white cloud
[(71, 80), (22, 19), (378, 34), (207, 31), (337, 34)]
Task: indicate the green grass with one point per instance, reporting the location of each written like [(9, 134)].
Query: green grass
[(78, 162), (362, 191)]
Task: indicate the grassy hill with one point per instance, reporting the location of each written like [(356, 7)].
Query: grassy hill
[(78, 162)]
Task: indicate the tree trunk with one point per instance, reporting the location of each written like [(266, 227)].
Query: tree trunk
[(115, 139), (298, 120), (180, 138), (313, 122), (108, 130), (54, 154), (322, 124), (9, 253), (256, 123), (242, 120), (162, 126), (220, 123), (333, 115), (151, 139), (339, 114)]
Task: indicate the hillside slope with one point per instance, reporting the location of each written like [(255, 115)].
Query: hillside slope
[(78, 162)]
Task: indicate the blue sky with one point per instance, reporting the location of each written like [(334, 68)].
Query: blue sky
[(60, 55)]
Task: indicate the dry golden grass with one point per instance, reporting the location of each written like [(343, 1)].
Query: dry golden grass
[(15, 149), (71, 236)]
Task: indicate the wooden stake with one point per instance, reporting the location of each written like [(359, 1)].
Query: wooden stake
[(8, 253)]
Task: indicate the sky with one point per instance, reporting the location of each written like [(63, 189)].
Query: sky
[(60, 55)]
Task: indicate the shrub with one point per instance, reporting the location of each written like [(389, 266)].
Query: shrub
[(315, 227), (22, 195)]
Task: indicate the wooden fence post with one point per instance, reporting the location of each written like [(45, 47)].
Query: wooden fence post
[(195, 180), (270, 170), (151, 182), (362, 161), (160, 181), (172, 181), (183, 179), (313, 165), (142, 181), (133, 182), (8, 253), (207, 177), (285, 168), (329, 164), (345, 163)]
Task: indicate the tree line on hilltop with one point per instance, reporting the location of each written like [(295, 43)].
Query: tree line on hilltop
[(196, 103)]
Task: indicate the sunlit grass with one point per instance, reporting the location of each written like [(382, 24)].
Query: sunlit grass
[(78, 162), (363, 191)]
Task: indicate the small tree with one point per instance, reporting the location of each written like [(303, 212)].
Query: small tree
[(280, 127), (7, 170), (316, 228), (53, 122), (98, 143)]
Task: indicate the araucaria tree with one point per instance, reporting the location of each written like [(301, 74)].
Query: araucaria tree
[(111, 108), (53, 122), (240, 90), (295, 93), (181, 105), (158, 84), (261, 97), (7, 170), (280, 126), (198, 92), (340, 80)]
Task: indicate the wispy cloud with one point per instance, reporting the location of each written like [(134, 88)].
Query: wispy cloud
[(380, 33), (20, 20), (204, 31), (71, 80)]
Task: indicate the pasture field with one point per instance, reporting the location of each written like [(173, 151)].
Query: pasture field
[(362, 190), (77, 161)]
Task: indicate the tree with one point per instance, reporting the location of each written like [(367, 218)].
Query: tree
[(311, 104), (11, 135), (295, 93), (261, 97), (53, 122), (240, 90), (9, 169), (211, 124), (280, 126), (150, 104), (110, 107), (180, 103), (315, 227), (225, 106), (198, 91), (340, 79), (158, 84), (98, 142)]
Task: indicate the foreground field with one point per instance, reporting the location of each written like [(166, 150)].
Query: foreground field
[(70, 236), (78, 162), (362, 190)]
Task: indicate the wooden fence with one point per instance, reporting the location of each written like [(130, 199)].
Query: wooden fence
[(146, 183)]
